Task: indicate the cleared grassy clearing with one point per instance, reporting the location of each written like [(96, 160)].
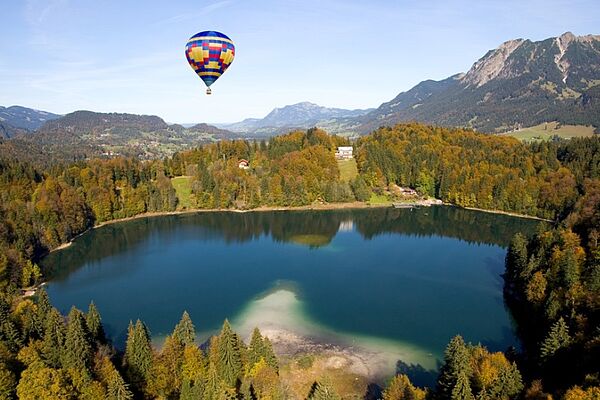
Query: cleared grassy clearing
[(379, 199), (183, 189), (348, 169), (548, 130)]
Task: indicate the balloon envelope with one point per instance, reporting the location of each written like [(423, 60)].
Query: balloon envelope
[(210, 53)]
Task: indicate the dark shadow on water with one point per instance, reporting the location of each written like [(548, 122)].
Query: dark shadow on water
[(418, 375), (495, 266), (508, 340), (374, 392)]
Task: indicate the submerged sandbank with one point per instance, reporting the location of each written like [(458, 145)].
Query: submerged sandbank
[(280, 316)]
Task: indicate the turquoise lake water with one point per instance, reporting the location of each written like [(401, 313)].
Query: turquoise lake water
[(409, 276)]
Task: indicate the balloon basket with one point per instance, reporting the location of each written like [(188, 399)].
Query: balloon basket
[(208, 91)]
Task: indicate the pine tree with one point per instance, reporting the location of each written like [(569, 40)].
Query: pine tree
[(456, 361), (94, 323), (117, 388), (256, 349), (557, 338), (229, 366), (190, 391), (54, 338), (43, 307), (138, 354), (508, 384), (77, 350), (462, 389), (8, 382), (184, 331), (9, 332), (213, 383), (269, 355), (516, 260)]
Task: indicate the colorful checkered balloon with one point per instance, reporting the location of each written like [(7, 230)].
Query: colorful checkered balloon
[(210, 53)]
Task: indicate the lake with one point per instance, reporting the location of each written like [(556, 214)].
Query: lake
[(398, 280)]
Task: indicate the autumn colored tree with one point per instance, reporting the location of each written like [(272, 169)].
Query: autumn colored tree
[(39, 382), (400, 388)]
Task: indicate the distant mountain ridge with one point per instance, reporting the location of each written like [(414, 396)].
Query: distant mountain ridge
[(299, 115), (25, 118), (83, 134), (89, 122), (521, 83), (8, 131)]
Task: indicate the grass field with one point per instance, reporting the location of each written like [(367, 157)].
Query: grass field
[(547, 130), (379, 199), (183, 189), (348, 169)]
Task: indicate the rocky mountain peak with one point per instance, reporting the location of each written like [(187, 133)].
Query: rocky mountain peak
[(491, 65)]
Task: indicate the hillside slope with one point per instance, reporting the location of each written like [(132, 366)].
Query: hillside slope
[(25, 118), (521, 83)]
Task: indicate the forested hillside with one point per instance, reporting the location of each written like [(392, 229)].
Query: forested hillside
[(473, 170), (27, 119), (553, 286), (553, 277), (85, 134), (46, 203)]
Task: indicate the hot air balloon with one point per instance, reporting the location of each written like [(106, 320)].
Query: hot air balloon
[(209, 53)]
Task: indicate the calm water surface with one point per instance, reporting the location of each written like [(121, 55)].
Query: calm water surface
[(416, 276)]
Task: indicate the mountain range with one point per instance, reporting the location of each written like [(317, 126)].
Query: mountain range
[(84, 134), (521, 83), (299, 115), (25, 118)]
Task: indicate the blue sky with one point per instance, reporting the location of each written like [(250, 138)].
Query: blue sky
[(128, 56)]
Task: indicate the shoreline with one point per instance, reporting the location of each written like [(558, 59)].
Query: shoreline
[(509, 213), (355, 205)]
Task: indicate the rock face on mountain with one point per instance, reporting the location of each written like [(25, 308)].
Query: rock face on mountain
[(521, 83), (25, 118)]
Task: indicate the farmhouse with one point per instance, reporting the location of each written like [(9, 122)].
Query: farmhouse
[(343, 152)]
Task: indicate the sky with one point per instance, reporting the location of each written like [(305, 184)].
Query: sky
[(128, 56)]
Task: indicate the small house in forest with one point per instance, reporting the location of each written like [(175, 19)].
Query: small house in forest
[(243, 164), (343, 153)]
